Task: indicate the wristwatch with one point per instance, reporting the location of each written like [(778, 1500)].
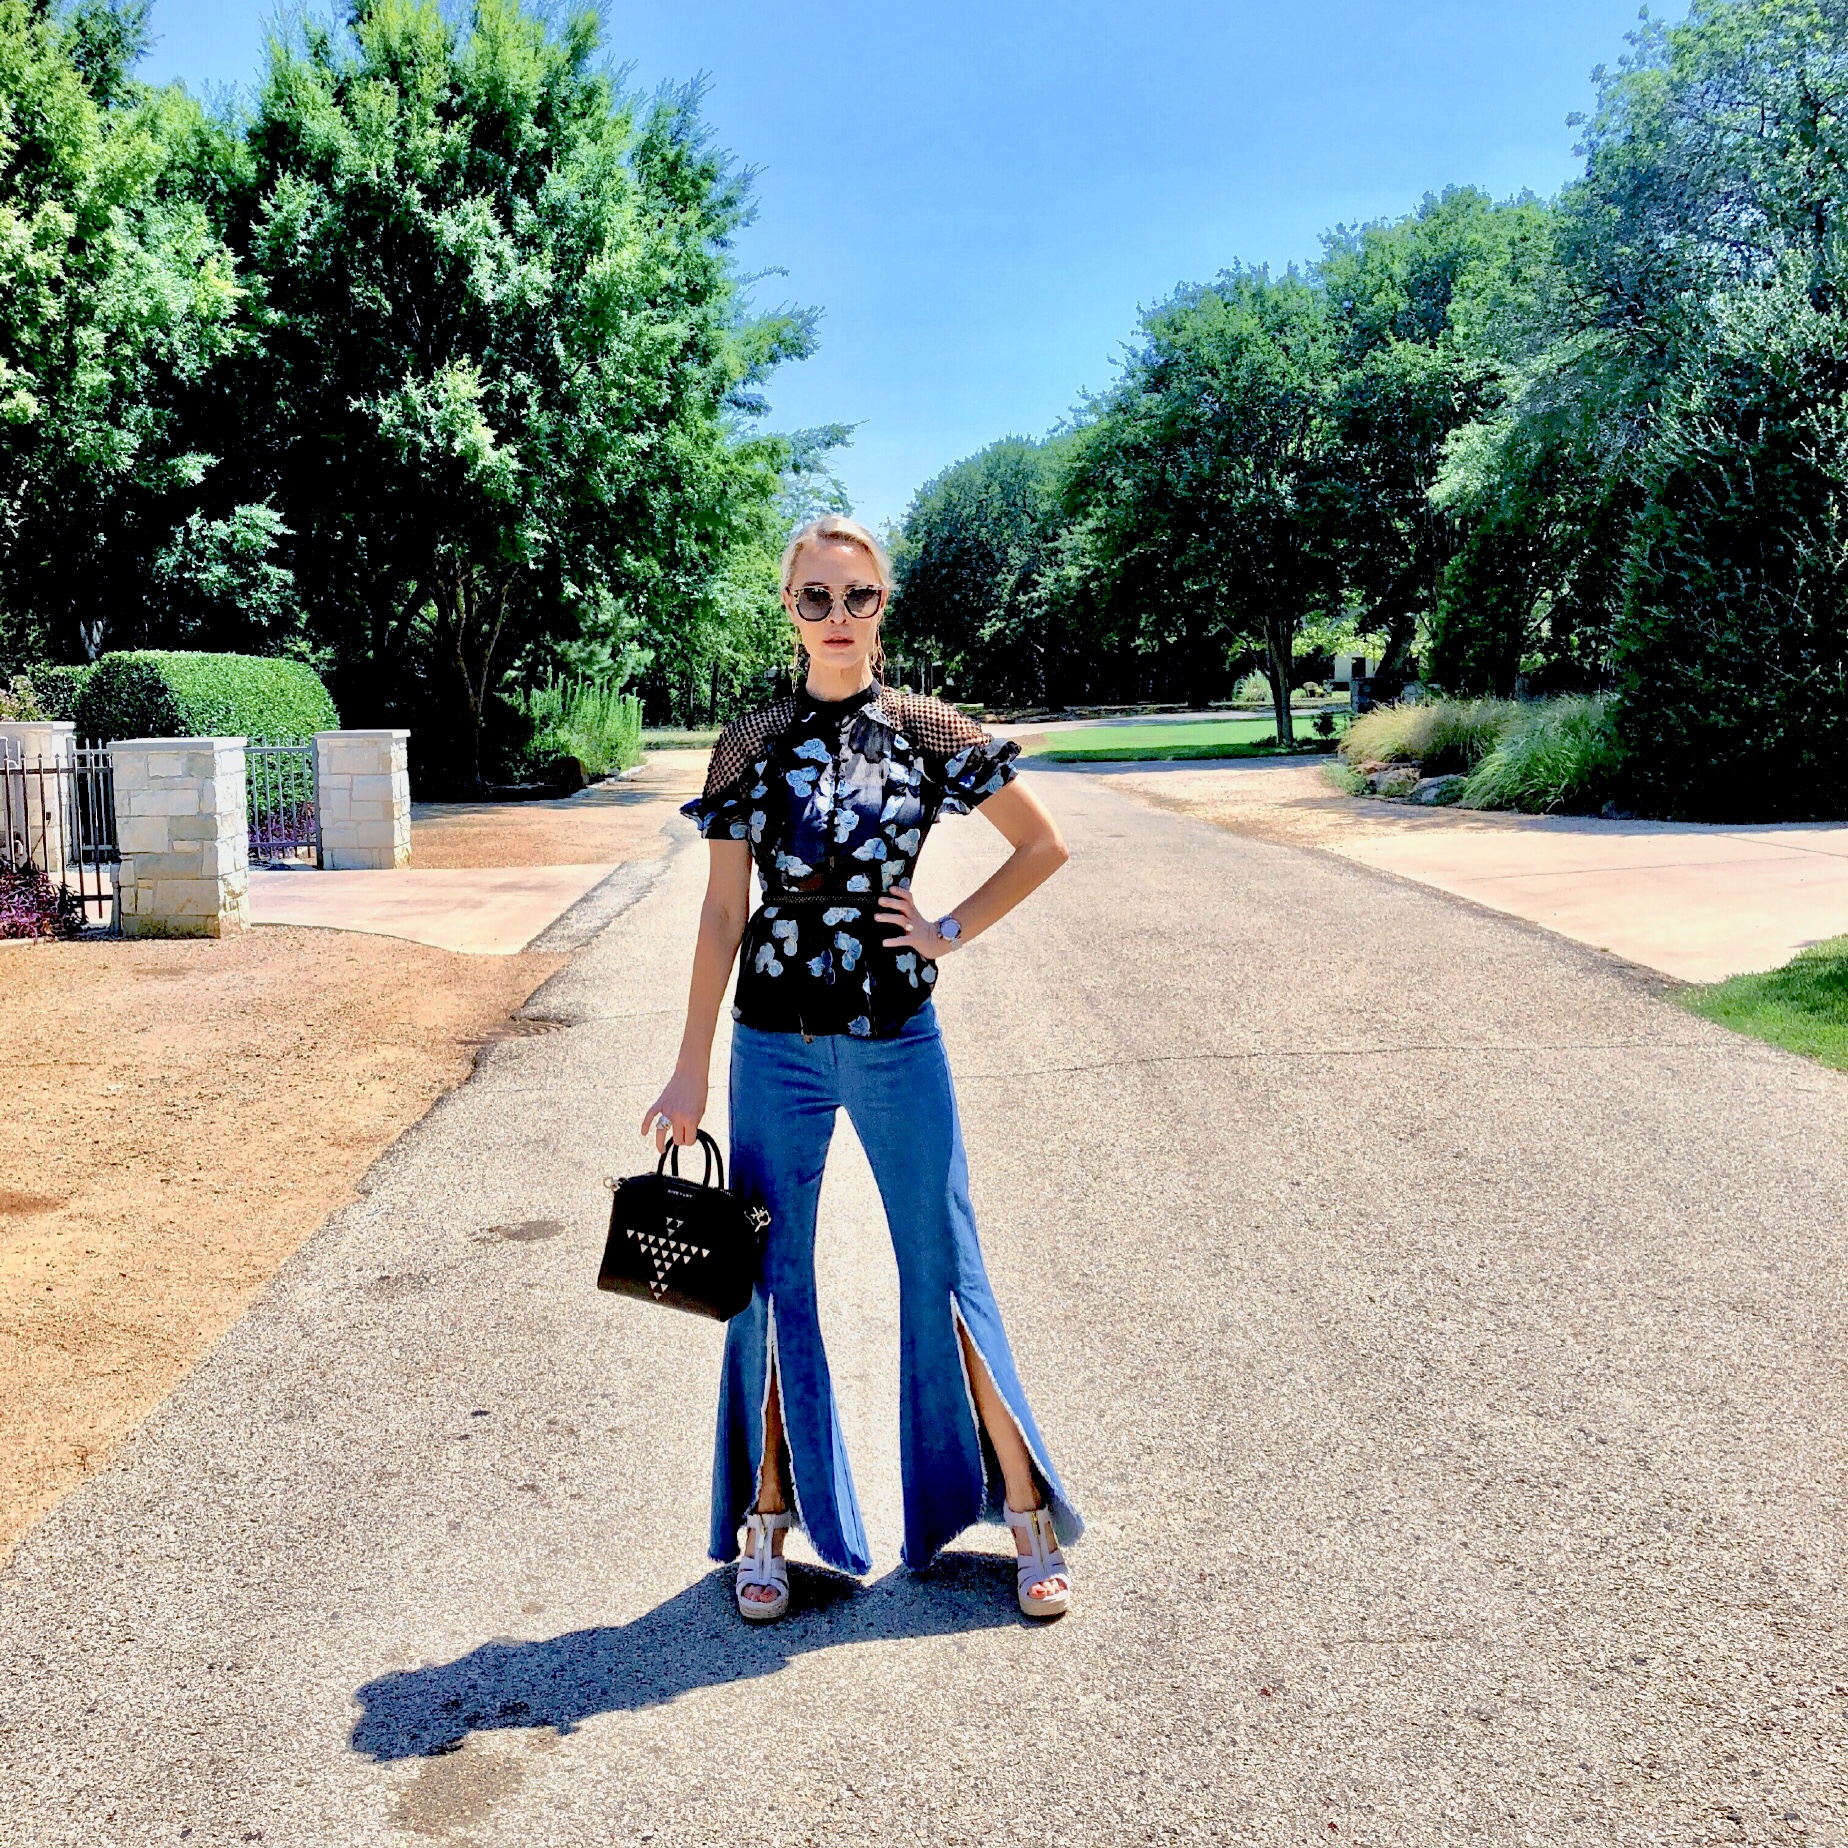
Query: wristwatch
[(949, 930)]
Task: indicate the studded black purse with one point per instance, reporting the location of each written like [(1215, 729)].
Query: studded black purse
[(687, 1244)]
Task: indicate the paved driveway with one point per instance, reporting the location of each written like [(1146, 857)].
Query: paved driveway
[(1442, 1335), (1693, 901)]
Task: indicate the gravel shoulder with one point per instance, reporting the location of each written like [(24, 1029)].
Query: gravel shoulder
[(176, 1117)]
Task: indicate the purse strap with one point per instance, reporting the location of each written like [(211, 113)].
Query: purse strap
[(672, 1153)]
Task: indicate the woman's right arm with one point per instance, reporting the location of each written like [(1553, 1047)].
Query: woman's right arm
[(721, 926)]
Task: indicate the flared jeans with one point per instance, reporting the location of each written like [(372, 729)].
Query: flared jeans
[(899, 1097)]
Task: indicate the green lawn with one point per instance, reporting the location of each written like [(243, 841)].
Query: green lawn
[(669, 738), (1241, 737), (1802, 1007)]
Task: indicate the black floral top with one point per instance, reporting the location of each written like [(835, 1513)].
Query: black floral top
[(836, 797)]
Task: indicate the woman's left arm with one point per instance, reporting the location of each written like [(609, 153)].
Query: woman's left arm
[(1039, 852)]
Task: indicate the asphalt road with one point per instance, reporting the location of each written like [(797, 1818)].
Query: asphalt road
[(1441, 1334)]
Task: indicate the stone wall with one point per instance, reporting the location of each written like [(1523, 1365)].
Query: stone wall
[(183, 832), (363, 786), (32, 808)]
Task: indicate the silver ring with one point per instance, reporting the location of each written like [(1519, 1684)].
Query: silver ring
[(662, 1122)]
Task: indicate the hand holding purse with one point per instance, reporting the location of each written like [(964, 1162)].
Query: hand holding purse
[(687, 1244)]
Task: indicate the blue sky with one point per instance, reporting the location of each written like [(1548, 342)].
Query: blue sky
[(980, 194)]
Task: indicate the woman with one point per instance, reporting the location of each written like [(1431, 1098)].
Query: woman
[(832, 789)]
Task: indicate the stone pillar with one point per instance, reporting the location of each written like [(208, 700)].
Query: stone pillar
[(184, 836), (362, 782), (35, 810)]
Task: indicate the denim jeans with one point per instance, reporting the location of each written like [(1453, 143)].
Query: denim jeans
[(898, 1094)]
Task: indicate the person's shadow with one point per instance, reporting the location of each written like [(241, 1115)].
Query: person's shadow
[(695, 1640)]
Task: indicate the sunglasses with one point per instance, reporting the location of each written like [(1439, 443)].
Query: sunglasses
[(815, 602)]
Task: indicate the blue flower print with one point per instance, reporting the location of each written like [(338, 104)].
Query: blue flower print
[(844, 802)]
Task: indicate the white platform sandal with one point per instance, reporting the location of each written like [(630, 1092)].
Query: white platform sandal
[(759, 1566), (1041, 1561)]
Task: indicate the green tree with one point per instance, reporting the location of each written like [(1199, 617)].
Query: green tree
[(1199, 483), (1733, 650), (117, 300), (973, 564), (505, 388), (1431, 312)]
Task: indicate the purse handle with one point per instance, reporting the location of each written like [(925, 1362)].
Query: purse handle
[(672, 1152)]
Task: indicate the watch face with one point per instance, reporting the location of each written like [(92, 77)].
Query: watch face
[(949, 930)]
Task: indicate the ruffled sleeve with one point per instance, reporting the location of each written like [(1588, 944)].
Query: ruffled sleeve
[(727, 809), (975, 772), (725, 816)]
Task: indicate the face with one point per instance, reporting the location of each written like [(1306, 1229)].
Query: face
[(837, 566)]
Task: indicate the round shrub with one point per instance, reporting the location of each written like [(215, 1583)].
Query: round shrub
[(56, 689), (154, 693)]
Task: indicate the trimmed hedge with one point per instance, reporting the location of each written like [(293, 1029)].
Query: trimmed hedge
[(56, 690), (153, 693)]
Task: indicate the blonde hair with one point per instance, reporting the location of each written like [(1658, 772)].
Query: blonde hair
[(836, 529)]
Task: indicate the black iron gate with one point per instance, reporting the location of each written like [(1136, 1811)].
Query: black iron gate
[(285, 815), (57, 820)]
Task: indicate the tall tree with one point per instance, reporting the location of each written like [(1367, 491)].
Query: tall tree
[(1201, 479), (1429, 312), (505, 374), (116, 300), (973, 562)]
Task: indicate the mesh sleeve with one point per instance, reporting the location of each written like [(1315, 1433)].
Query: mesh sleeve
[(741, 745), (971, 764)]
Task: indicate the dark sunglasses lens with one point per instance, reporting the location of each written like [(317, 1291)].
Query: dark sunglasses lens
[(862, 599), (813, 602)]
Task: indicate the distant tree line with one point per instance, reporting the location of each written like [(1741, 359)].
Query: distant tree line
[(429, 365), (1597, 443)]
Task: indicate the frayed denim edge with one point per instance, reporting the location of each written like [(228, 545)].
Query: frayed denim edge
[(989, 1511)]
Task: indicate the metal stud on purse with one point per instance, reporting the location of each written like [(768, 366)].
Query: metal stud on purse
[(686, 1244)]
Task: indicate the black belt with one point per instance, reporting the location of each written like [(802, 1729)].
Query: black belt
[(860, 901)]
